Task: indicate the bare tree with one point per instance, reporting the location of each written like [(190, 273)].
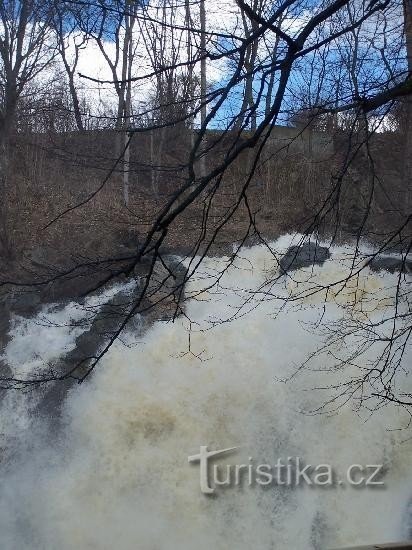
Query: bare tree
[(24, 53), (113, 24), (69, 38), (203, 77), (250, 20), (408, 141)]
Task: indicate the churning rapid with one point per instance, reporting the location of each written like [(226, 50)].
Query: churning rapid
[(115, 472)]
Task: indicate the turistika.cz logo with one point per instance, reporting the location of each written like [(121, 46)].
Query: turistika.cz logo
[(292, 471)]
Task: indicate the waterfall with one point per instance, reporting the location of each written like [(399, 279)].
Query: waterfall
[(116, 473)]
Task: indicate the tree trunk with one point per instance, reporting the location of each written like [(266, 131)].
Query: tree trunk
[(203, 61), (203, 82), (7, 119), (127, 107), (407, 167)]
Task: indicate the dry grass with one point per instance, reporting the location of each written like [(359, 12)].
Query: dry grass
[(51, 173)]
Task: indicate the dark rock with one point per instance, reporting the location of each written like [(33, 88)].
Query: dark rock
[(88, 344), (24, 302), (83, 281), (63, 279), (303, 256), (391, 264), (166, 279)]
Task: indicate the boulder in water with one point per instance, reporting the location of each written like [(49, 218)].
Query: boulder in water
[(391, 263), (305, 255)]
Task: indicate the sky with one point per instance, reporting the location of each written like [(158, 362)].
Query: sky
[(318, 81)]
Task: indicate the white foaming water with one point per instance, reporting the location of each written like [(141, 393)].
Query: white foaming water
[(118, 474), (40, 340)]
